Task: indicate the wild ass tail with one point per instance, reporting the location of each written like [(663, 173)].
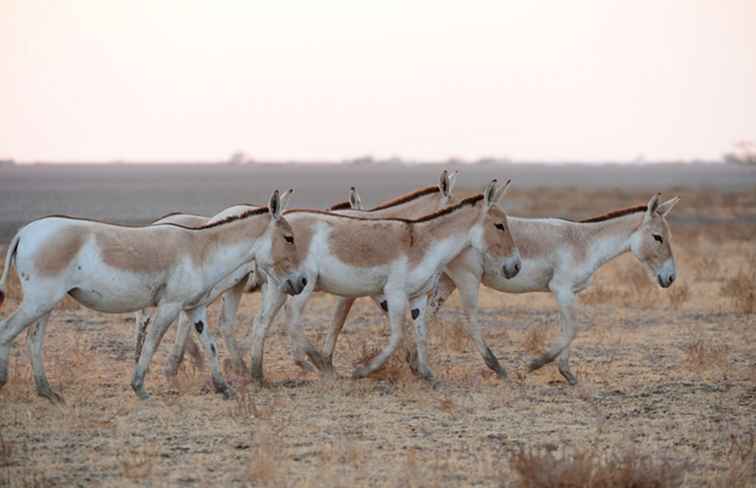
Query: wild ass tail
[(10, 256)]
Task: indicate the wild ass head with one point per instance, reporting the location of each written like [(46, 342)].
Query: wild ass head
[(651, 243), (495, 242), (277, 258)]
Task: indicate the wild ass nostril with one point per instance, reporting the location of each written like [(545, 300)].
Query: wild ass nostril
[(671, 279), (304, 282), (517, 268)]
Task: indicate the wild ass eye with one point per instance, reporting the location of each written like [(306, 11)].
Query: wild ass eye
[(500, 227), (289, 239), (659, 238)]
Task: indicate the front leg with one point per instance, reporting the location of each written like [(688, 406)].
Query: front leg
[(568, 329), (229, 308), (273, 300), (165, 315), (300, 346), (397, 306), (418, 311), (343, 307), (177, 354)]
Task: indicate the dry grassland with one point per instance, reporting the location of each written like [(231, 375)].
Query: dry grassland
[(666, 393)]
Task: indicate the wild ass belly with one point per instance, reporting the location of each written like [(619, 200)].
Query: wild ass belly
[(114, 291), (339, 278), (534, 275)]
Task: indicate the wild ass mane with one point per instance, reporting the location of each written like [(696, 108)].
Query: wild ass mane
[(614, 214), (469, 201), (393, 202)]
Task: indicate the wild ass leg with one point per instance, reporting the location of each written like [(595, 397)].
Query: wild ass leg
[(142, 320), (229, 307), (26, 314), (339, 319), (301, 347), (469, 287), (566, 300), (273, 300), (441, 292), (198, 318), (164, 317), (183, 334), (418, 310), (397, 306), (35, 341)]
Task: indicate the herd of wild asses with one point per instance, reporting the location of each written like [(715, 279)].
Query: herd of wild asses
[(408, 254)]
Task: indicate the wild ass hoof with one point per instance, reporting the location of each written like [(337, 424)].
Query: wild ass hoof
[(54, 397), (571, 379), (140, 391), (305, 366), (320, 361), (360, 372), (170, 370), (536, 364)]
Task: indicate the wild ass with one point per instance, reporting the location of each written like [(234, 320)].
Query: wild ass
[(230, 287), (398, 258), (561, 256), (412, 205), (116, 269)]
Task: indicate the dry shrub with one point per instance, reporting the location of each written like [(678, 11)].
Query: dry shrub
[(138, 463), (597, 295), (706, 268), (641, 288), (453, 336), (679, 295), (535, 340), (740, 291), (447, 406), (394, 370), (700, 356), (590, 467), (741, 463), (265, 464)]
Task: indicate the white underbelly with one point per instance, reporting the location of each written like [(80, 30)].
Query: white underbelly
[(342, 279), (533, 276), (117, 292)]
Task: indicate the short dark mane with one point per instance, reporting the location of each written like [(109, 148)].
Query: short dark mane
[(169, 214), (233, 218), (614, 214), (470, 201), (341, 206), (406, 198)]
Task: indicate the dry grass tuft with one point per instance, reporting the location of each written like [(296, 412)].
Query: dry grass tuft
[(265, 459), (741, 459), (597, 295), (700, 356), (740, 291), (535, 340), (394, 370), (590, 467), (138, 463), (679, 295)]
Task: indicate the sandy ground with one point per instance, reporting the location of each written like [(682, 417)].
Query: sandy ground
[(664, 374)]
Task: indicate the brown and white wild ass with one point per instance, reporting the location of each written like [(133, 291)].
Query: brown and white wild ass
[(398, 258), (420, 202), (117, 269), (561, 256)]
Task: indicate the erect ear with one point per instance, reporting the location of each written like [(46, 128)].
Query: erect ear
[(664, 208), (443, 185), (489, 194), (354, 199), (284, 200), (452, 180), (274, 206), (502, 191), (652, 205)]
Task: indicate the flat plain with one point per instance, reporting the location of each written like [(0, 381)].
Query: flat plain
[(667, 378)]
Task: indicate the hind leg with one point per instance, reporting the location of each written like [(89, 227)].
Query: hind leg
[(27, 313), (273, 300), (164, 317), (183, 332), (198, 318), (35, 341), (397, 306), (229, 308), (343, 307)]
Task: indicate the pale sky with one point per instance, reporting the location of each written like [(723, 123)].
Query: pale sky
[(158, 80)]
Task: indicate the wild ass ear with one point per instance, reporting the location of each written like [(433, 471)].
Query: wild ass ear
[(502, 191), (443, 185), (284, 200), (452, 180), (652, 205), (354, 199), (489, 194), (274, 206), (664, 208)]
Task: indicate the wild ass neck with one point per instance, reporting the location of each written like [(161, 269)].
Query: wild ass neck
[(227, 246), (442, 238), (608, 239)]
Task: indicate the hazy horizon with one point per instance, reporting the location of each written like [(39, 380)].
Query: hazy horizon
[(545, 81)]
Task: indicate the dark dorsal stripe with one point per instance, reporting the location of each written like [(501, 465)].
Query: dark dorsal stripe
[(614, 214), (470, 201), (406, 198)]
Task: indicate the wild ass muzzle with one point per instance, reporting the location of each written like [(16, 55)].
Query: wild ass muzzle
[(118, 269), (398, 258), (561, 256)]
